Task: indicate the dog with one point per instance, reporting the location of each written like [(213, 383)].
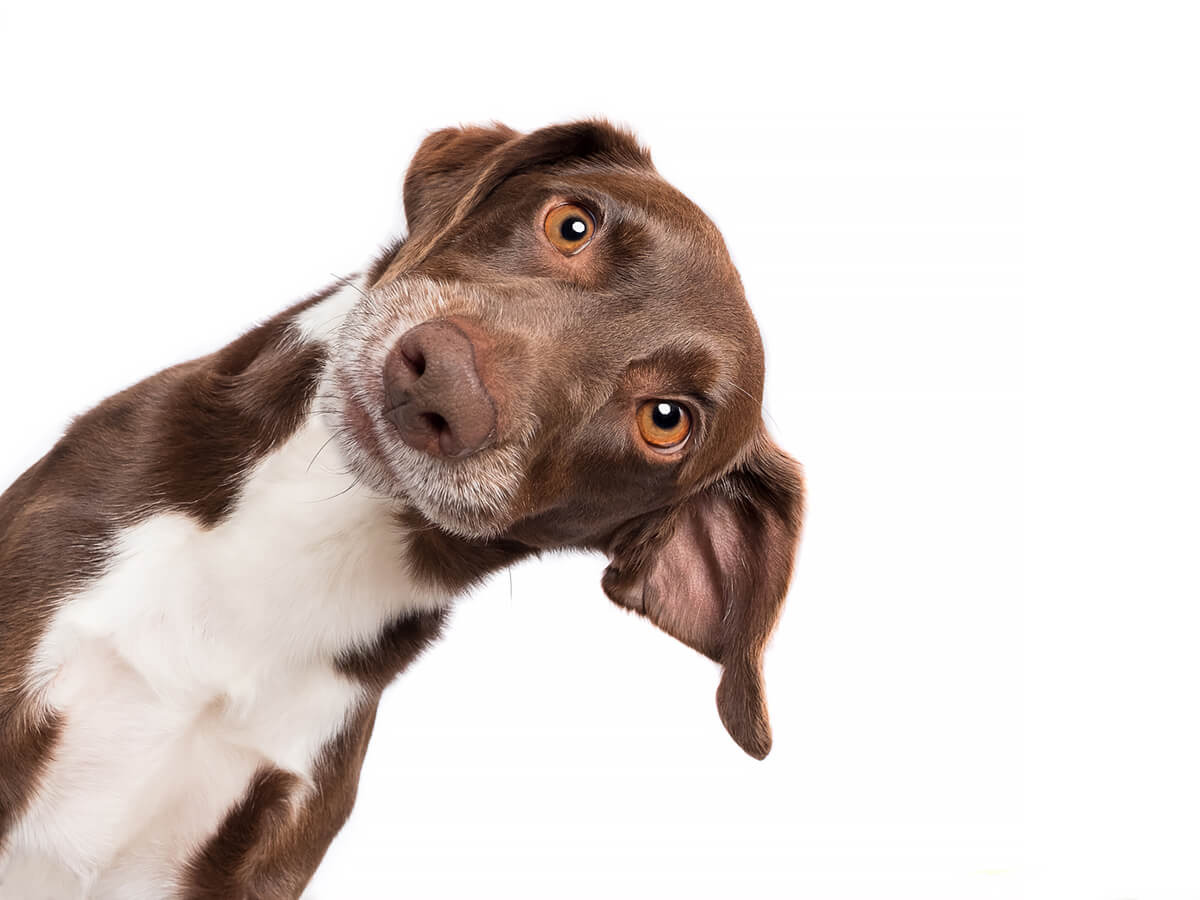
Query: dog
[(559, 354)]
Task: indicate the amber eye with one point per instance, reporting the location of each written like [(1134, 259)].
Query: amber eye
[(664, 425), (569, 228)]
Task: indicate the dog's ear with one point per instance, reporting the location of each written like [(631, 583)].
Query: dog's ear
[(444, 169), (713, 572), (456, 168)]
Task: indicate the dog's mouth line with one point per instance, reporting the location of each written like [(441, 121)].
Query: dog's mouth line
[(454, 515), (399, 471)]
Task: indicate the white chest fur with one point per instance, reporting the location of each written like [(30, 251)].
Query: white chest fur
[(200, 656)]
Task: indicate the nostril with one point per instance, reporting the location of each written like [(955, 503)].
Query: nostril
[(415, 359), (434, 394), (436, 423)]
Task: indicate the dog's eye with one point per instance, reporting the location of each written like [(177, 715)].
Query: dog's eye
[(664, 425), (569, 228)]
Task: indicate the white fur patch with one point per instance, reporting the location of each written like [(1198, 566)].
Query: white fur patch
[(198, 657), (320, 322)]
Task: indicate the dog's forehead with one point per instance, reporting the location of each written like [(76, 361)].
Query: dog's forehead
[(696, 312), (645, 197), (662, 246)]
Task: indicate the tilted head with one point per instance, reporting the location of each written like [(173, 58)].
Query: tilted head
[(560, 354)]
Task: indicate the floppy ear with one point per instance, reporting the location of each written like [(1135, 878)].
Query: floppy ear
[(456, 168), (444, 169), (713, 572)]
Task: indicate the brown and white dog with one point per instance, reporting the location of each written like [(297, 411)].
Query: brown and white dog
[(207, 583)]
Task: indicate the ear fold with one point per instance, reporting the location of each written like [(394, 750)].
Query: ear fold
[(456, 168), (714, 572), (445, 168)]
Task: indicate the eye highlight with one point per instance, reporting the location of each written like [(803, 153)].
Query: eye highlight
[(664, 424), (569, 228)]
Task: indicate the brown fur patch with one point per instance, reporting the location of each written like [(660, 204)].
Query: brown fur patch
[(401, 642), (453, 563), (271, 843), (180, 440), (25, 748)]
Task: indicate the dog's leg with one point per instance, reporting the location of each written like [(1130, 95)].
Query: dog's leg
[(270, 843)]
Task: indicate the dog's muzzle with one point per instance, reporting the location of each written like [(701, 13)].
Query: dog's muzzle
[(435, 396)]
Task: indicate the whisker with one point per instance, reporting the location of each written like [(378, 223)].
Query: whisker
[(330, 320), (350, 281), (763, 406), (353, 484), (332, 437)]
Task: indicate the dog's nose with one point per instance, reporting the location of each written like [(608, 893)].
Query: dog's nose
[(435, 397)]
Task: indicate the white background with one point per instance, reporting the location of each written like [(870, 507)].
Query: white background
[(969, 235)]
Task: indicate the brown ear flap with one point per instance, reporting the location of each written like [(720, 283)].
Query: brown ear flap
[(444, 169), (456, 168), (713, 572)]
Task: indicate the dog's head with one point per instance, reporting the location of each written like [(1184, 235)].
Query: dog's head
[(560, 354)]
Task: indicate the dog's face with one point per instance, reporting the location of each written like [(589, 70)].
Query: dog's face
[(561, 355)]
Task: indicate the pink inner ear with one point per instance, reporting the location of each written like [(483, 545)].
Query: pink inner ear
[(686, 589)]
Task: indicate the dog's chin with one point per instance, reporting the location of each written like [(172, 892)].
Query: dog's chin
[(459, 520), (454, 504), (470, 498)]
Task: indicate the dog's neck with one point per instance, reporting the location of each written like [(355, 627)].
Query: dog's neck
[(244, 592)]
